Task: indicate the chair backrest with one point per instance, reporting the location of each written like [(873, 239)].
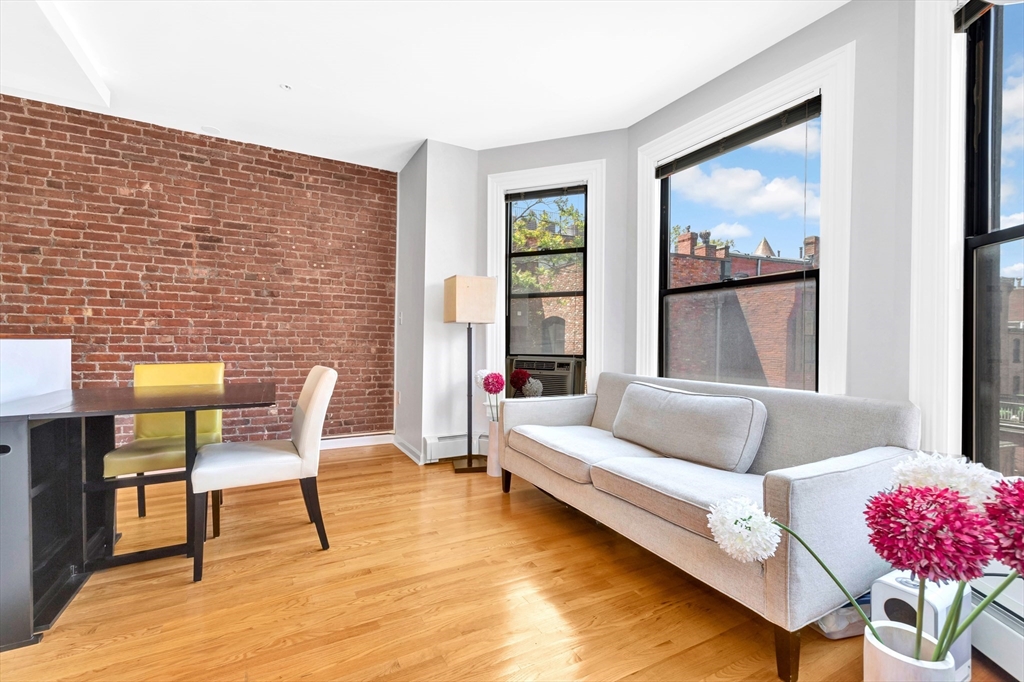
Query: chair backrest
[(308, 417), (167, 424)]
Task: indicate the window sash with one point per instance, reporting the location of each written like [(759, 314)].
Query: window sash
[(510, 255), (794, 116)]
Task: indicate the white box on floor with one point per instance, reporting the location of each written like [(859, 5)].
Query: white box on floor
[(894, 597)]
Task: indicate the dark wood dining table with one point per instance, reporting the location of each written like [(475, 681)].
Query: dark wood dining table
[(57, 515)]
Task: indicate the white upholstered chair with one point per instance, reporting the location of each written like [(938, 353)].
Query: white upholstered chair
[(234, 465)]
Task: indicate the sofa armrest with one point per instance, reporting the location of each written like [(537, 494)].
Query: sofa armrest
[(824, 503), (572, 410)]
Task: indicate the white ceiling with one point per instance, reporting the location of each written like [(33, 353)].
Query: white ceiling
[(371, 80)]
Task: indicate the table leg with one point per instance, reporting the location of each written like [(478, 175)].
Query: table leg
[(190, 460), (98, 436)]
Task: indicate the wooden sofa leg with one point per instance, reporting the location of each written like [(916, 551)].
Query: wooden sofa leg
[(506, 481), (787, 654)]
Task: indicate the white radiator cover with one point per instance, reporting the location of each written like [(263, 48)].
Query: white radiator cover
[(436, 448)]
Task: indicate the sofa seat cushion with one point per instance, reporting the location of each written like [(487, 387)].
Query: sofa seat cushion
[(572, 450), (721, 431), (678, 491)]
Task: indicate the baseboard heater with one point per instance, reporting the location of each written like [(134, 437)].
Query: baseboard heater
[(999, 631), (438, 448)]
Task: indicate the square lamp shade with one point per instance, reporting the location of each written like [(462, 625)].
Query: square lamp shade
[(470, 300)]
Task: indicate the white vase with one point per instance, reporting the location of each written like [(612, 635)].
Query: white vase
[(493, 450), (892, 659)]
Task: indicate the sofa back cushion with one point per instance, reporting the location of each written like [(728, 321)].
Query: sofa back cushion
[(804, 426), (720, 431)]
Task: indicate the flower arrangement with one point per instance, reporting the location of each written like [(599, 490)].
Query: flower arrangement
[(518, 379), (493, 383), (945, 519)]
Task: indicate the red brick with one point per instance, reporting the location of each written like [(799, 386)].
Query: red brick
[(145, 244)]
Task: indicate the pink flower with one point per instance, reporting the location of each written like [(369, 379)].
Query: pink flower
[(494, 383), (930, 531), (1007, 515)]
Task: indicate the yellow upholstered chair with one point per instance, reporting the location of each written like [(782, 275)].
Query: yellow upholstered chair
[(160, 437)]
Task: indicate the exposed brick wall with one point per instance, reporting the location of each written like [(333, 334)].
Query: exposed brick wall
[(147, 244)]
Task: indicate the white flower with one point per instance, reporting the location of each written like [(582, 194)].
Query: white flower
[(533, 388), (973, 480), (480, 374), (744, 531)]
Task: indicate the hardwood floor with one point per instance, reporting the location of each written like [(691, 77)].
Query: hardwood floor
[(430, 575)]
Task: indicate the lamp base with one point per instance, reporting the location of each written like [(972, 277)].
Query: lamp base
[(470, 465)]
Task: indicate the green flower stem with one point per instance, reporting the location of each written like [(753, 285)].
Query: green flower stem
[(982, 606), (920, 617), (950, 625), (832, 575)]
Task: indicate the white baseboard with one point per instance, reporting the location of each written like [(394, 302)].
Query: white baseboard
[(360, 441), (413, 453)]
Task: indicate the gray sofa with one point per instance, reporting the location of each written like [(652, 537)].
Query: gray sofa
[(818, 461)]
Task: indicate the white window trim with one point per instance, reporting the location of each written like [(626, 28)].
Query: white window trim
[(589, 173), (833, 76), (937, 226)]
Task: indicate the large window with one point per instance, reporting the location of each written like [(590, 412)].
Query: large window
[(994, 227), (740, 247), (546, 272)]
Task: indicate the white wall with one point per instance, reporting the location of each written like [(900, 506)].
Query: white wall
[(437, 237), (412, 230), (453, 238), (879, 309)]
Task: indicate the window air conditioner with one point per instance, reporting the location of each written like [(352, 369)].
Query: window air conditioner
[(560, 376)]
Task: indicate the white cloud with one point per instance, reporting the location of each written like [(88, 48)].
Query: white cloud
[(730, 231), (1013, 113), (1012, 220), (1015, 270), (1006, 192), (794, 139), (745, 191)]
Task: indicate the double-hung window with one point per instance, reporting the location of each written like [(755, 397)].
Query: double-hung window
[(546, 272), (740, 247), (993, 430)]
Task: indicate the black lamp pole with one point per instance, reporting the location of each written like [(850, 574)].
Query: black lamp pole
[(467, 464)]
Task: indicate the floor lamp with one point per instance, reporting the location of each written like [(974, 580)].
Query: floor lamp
[(469, 300)]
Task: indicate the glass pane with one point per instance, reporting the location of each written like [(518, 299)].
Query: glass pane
[(751, 211), (999, 316), (762, 335), (532, 274), (546, 326), (1010, 168), (550, 223)]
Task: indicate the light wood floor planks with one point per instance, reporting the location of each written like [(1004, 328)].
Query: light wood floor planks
[(430, 575)]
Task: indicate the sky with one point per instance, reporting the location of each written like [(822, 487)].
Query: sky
[(1011, 204), (768, 189)]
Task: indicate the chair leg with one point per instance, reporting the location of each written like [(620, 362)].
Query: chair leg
[(142, 497), (305, 498), (787, 654), (216, 513), (199, 536), (312, 499), (506, 481)]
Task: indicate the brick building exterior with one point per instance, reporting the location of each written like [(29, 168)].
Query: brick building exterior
[(147, 244), (763, 335)]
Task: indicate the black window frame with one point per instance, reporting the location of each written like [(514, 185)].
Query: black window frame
[(510, 198), (982, 24), (803, 112)]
